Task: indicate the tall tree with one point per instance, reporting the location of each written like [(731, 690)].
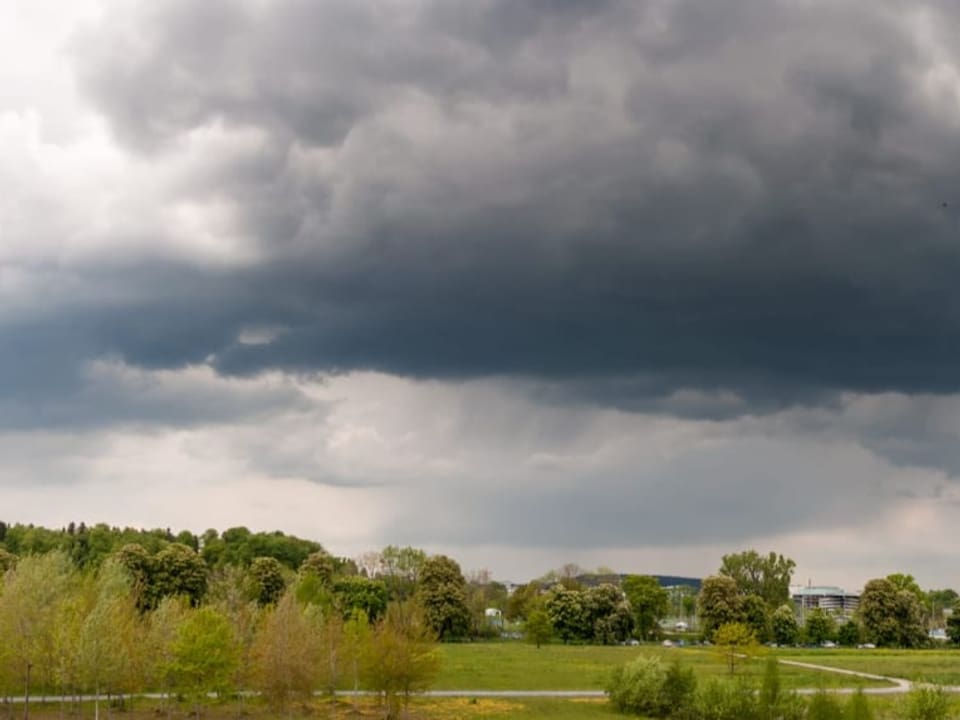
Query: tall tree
[(442, 595), (784, 625), (205, 654), (649, 602), (891, 617), (765, 575), (568, 614), (719, 603), (266, 580)]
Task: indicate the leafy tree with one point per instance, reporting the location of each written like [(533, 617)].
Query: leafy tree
[(359, 593), (205, 654), (902, 581), (179, 570), (735, 641), (286, 653), (567, 614), (765, 575), (400, 568), (953, 624), (403, 658), (649, 602), (321, 565), (538, 629), (523, 599), (784, 625), (848, 633), (891, 617), (819, 627), (608, 617), (719, 603), (31, 594), (756, 616), (443, 598), (267, 581)]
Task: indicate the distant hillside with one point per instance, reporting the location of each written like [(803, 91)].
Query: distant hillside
[(592, 580)]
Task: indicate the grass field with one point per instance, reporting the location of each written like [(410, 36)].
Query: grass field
[(939, 666), (518, 666)]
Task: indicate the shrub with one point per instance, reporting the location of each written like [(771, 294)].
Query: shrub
[(637, 687), (926, 702), (720, 700), (678, 690)]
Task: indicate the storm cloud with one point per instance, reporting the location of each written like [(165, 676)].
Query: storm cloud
[(552, 269)]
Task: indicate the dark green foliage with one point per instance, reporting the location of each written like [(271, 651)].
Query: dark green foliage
[(678, 690), (849, 634), (175, 570), (649, 602), (767, 576), (819, 627), (266, 580), (719, 603), (891, 617), (784, 627), (568, 615), (322, 565), (359, 593), (646, 687), (608, 617), (538, 629), (443, 597), (756, 616), (239, 546)]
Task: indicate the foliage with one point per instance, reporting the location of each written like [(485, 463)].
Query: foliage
[(824, 706), (607, 616), (734, 641), (719, 603), (849, 633), (784, 626), (953, 624), (756, 616), (637, 687), (891, 617), (402, 659), (266, 579), (443, 597), (568, 614), (767, 576), (858, 708), (205, 653), (724, 700), (819, 627), (926, 702), (359, 593), (649, 602), (538, 629)]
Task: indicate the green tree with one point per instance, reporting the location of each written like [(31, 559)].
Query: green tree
[(719, 603), (735, 641), (784, 625), (538, 629), (849, 633), (819, 627), (7, 561), (953, 624), (286, 653), (608, 615), (756, 616), (765, 575), (567, 614), (891, 617), (267, 581), (443, 597), (359, 593), (403, 659), (179, 570), (205, 654), (649, 602)]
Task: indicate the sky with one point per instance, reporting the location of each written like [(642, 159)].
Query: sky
[(613, 282)]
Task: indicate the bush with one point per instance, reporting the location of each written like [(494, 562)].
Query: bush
[(926, 702), (637, 686), (645, 687), (720, 700)]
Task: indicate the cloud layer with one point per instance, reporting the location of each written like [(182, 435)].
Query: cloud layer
[(636, 255)]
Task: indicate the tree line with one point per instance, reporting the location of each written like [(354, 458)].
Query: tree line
[(160, 618)]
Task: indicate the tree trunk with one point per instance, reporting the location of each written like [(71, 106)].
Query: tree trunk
[(26, 694)]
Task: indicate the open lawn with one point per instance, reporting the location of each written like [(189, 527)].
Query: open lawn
[(939, 666), (519, 666)]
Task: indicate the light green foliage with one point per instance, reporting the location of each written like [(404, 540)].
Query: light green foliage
[(400, 569), (205, 653), (719, 603), (765, 575), (403, 659), (926, 702), (321, 565), (442, 595), (725, 700), (538, 629), (784, 626), (522, 601), (266, 580), (734, 641), (904, 581), (637, 687), (858, 708), (819, 626), (824, 706), (649, 602)]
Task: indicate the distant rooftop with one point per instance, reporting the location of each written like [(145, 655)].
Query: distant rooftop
[(819, 590)]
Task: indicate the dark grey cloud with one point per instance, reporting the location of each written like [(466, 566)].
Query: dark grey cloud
[(623, 201)]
